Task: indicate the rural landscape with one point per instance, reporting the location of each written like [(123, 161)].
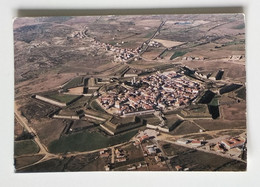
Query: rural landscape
[(130, 93)]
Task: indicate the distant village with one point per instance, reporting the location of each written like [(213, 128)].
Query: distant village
[(120, 55)]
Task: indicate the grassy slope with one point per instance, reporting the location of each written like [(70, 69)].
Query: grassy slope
[(177, 54), (25, 147), (86, 141), (62, 98)]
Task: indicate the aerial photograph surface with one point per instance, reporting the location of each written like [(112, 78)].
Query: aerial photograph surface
[(130, 93)]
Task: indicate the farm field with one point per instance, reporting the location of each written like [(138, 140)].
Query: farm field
[(135, 155), (241, 93), (24, 147), (94, 105), (75, 82), (34, 110), (49, 129), (87, 162), (18, 129), (168, 43), (219, 124), (22, 161), (171, 149), (177, 54), (207, 162), (234, 112), (46, 166), (61, 97)]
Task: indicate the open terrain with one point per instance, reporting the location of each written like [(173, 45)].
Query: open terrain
[(136, 93)]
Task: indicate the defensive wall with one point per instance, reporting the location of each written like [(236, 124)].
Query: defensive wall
[(95, 117), (57, 103), (66, 117), (139, 113), (42, 98)]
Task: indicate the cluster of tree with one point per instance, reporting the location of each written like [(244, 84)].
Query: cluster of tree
[(24, 136)]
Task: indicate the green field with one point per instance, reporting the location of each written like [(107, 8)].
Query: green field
[(235, 42), (61, 97), (149, 35), (199, 136), (94, 105), (86, 141), (206, 162), (88, 162), (188, 158), (241, 26), (73, 83), (214, 101), (165, 53), (241, 93), (232, 166), (25, 147), (177, 54), (165, 67), (47, 166), (26, 160), (185, 128), (79, 103)]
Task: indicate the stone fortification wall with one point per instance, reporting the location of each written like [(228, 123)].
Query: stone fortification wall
[(50, 101), (66, 117)]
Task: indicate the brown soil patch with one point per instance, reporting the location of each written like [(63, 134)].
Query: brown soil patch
[(234, 111), (76, 91), (168, 43), (42, 83)]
